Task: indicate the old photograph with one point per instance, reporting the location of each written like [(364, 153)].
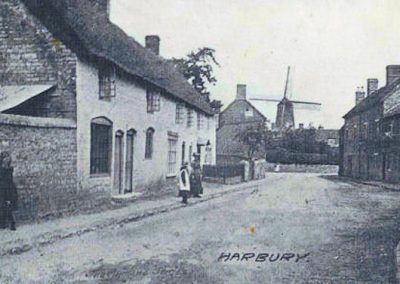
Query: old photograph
[(199, 141)]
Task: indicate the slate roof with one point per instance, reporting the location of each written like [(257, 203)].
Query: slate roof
[(248, 103), (373, 99), (86, 29)]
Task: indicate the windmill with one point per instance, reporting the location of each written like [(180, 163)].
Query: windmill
[(286, 106)]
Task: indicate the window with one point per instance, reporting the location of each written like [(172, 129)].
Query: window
[(179, 117), (332, 142), (248, 112), (100, 145), (189, 117), (172, 141), (200, 121), (149, 143), (153, 100), (107, 82)]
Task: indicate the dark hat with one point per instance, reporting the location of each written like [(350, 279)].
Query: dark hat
[(196, 155)]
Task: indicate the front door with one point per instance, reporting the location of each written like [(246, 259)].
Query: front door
[(118, 162), (130, 135)]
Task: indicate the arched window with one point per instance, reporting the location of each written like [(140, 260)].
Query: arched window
[(100, 145), (149, 143)]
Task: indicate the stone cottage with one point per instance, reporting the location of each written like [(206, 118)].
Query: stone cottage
[(86, 111), (236, 117), (370, 135)]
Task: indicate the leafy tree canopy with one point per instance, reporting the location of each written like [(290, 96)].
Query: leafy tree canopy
[(198, 68)]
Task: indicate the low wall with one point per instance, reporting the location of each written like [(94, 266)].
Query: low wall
[(44, 160), (292, 168)]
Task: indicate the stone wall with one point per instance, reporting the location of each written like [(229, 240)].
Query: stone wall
[(30, 54), (44, 160)]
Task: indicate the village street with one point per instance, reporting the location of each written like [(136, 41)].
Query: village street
[(330, 231)]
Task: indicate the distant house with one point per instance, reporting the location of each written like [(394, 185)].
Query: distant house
[(86, 111), (329, 136), (236, 117), (371, 132)]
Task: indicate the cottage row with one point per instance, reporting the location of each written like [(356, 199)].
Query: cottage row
[(87, 112), (370, 145)]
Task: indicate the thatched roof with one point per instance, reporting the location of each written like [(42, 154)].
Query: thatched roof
[(87, 30)]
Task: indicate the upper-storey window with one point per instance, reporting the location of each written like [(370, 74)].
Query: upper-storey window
[(180, 113), (189, 117), (248, 112), (153, 99), (200, 121), (107, 82)]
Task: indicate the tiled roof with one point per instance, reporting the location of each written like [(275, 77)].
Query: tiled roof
[(373, 99), (86, 30)]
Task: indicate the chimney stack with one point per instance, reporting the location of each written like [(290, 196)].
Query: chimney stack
[(241, 92), (360, 95), (392, 73), (103, 6), (372, 86), (153, 43)]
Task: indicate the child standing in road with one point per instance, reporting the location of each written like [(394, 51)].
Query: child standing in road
[(184, 183)]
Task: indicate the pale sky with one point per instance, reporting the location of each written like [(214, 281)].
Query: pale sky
[(333, 45)]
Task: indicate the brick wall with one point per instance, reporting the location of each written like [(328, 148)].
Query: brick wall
[(44, 161), (231, 122), (235, 113), (29, 54)]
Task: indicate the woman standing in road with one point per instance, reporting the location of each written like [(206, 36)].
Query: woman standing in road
[(196, 186)]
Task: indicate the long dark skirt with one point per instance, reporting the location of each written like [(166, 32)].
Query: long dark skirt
[(196, 186)]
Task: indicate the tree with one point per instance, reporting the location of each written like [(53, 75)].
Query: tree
[(254, 138), (198, 68)]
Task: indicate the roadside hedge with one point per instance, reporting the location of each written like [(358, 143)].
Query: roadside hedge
[(285, 157)]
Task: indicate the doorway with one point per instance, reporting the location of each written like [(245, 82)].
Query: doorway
[(118, 161), (130, 142)]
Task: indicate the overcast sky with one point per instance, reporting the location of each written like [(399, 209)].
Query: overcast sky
[(333, 45)]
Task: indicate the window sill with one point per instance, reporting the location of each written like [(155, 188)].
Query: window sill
[(100, 175)]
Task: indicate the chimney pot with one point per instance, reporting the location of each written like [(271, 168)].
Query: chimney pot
[(372, 85), (103, 5), (241, 92), (153, 43), (360, 95), (392, 73)]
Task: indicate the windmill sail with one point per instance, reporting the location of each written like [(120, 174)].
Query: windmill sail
[(307, 105)]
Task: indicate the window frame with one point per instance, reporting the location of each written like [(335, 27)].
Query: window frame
[(172, 157), (190, 117), (153, 99), (100, 122), (149, 146), (200, 121), (107, 72), (180, 113)]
